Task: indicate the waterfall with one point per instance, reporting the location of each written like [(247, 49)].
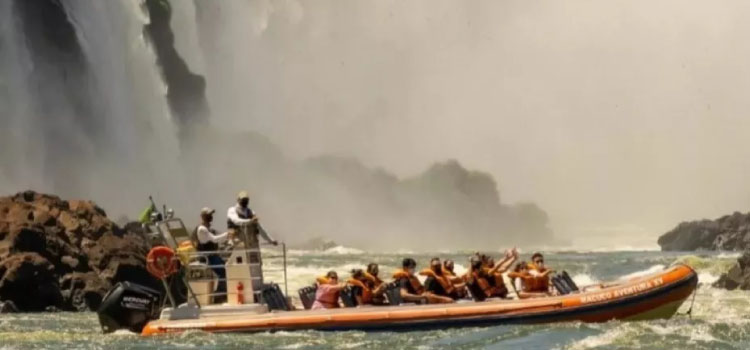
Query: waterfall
[(86, 114)]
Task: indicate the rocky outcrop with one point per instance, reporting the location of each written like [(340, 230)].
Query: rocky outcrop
[(7, 307), (738, 276), (731, 232), (64, 254)]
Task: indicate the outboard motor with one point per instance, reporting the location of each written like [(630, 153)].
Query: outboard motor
[(128, 306)]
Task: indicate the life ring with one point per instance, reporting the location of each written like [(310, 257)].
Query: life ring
[(161, 262)]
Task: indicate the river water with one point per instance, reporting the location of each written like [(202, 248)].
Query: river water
[(720, 320)]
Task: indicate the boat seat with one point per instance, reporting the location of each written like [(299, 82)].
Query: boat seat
[(347, 297), (307, 296), (559, 284), (564, 284), (272, 296), (572, 285), (393, 293)]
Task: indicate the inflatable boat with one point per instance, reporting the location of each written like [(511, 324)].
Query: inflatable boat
[(252, 303), (653, 296)]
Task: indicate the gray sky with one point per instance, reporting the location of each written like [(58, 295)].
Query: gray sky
[(619, 118)]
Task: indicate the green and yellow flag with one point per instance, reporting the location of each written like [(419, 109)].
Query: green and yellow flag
[(145, 216)]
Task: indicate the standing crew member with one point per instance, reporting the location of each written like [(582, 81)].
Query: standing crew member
[(241, 215), (208, 241), (241, 219)]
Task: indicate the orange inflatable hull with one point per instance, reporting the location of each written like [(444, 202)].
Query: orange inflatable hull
[(648, 297)]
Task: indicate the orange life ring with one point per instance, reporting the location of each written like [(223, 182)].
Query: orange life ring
[(161, 262)]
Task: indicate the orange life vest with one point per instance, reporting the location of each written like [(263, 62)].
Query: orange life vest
[(483, 284), (366, 292), (322, 280), (415, 284), (498, 283), (444, 281), (373, 281), (447, 272), (538, 283), (490, 290), (528, 280)]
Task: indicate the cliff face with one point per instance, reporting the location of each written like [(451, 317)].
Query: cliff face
[(60, 254), (186, 93), (731, 232)]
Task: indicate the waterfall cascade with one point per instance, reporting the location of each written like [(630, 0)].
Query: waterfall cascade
[(100, 101), (85, 103)]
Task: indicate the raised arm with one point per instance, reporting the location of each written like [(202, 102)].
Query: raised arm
[(504, 264)]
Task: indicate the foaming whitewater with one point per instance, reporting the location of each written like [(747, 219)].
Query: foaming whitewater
[(718, 320)]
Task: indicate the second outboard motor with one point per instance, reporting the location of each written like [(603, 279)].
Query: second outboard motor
[(128, 306)]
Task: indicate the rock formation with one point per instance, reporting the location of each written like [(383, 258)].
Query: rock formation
[(730, 232), (186, 93), (738, 276), (64, 254)]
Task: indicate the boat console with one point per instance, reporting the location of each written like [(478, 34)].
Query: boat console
[(248, 292)]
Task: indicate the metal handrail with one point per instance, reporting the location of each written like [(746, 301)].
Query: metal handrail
[(164, 230), (202, 254)]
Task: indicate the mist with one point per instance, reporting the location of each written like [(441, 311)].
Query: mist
[(618, 119)]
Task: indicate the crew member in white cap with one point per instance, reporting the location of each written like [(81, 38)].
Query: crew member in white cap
[(241, 219), (208, 241), (241, 215)]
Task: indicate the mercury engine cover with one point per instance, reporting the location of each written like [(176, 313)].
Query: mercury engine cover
[(128, 306)]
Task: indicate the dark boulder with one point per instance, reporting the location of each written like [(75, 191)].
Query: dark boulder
[(29, 281), (60, 254), (83, 291), (7, 307)]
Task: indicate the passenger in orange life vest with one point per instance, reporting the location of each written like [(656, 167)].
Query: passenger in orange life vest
[(523, 280), (360, 287), (327, 295), (485, 278), (458, 281), (540, 272), (411, 289), (437, 282), (496, 271), (375, 284)]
